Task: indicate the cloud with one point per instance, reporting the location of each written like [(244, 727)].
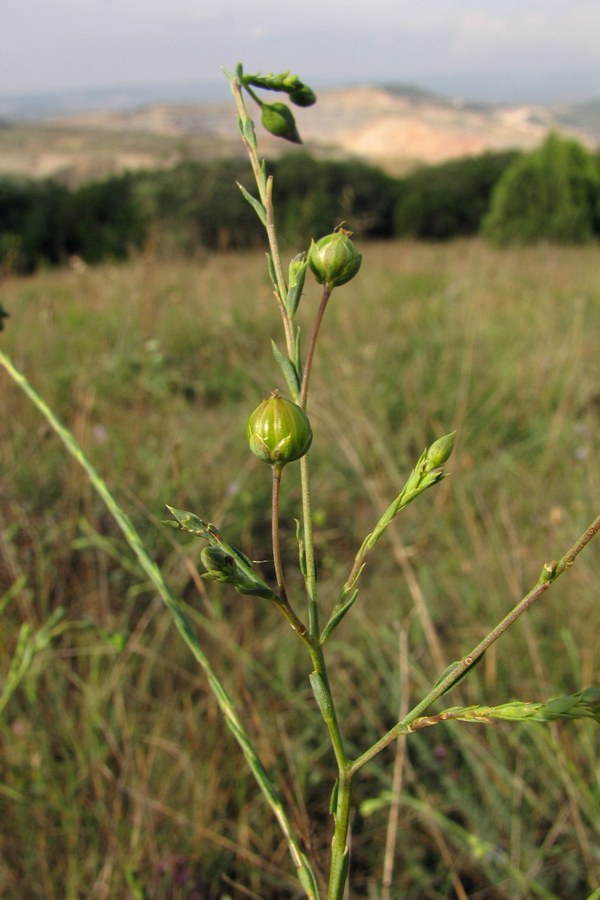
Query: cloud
[(95, 42)]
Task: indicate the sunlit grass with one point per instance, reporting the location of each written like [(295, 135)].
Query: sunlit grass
[(117, 775)]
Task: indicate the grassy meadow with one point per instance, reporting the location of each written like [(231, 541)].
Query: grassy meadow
[(118, 777)]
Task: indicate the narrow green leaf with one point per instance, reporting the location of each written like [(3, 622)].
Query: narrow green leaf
[(301, 549), (307, 879), (248, 131), (298, 355), (293, 298), (582, 705), (254, 203), (338, 614), (272, 272), (322, 696), (334, 797), (187, 521), (288, 369), (451, 668)]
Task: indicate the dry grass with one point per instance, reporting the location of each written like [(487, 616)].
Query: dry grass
[(117, 777)]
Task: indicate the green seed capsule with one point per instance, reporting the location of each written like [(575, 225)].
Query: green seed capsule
[(218, 564), (278, 431), (303, 96), (279, 120), (334, 259)]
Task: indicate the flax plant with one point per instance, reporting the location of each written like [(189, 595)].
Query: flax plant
[(279, 433)]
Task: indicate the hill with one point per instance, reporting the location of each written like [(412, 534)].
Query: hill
[(394, 127)]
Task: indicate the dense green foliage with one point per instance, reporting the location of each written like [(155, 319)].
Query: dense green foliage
[(44, 223), (449, 200), (552, 193), (196, 205), (118, 777)]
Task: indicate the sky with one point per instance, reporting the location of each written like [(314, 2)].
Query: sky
[(493, 50)]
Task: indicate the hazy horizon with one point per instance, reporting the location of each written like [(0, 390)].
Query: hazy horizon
[(499, 51)]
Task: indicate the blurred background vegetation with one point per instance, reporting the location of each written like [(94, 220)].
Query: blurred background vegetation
[(552, 193)]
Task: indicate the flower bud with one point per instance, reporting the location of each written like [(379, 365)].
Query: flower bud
[(296, 278), (440, 451), (219, 565), (297, 268), (279, 120), (278, 431), (303, 95), (334, 259)]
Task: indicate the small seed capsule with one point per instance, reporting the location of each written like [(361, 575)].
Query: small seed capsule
[(218, 564), (278, 431), (334, 259), (302, 95), (279, 120)]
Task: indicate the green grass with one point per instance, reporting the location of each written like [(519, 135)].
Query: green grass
[(117, 776)]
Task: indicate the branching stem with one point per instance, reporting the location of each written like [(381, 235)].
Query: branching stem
[(460, 669), (265, 190)]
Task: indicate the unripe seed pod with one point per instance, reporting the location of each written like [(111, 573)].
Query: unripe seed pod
[(279, 120), (278, 431), (218, 564), (440, 451), (334, 259), (303, 96)]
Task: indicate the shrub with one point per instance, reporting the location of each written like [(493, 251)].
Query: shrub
[(552, 193), (449, 200)]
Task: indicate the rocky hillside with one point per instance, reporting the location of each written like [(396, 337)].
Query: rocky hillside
[(392, 127)]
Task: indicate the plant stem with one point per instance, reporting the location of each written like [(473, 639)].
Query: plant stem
[(265, 190), (340, 851), (181, 622), (309, 552), (312, 344), (283, 603), (273, 244), (457, 671), (320, 680), (275, 533), (310, 577), (341, 805)]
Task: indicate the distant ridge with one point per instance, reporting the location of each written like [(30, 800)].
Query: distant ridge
[(395, 126), (584, 117), (41, 105)]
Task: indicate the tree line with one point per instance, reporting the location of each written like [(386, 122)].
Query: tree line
[(552, 193)]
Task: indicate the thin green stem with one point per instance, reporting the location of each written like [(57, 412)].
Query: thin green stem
[(310, 577), (265, 191), (340, 851), (457, 671), (341, 804), (273, 242), (251, 149), (252, 93), (326, 705), (312, 344), (309, 551), (283, 603), (281, 588), (305, 872)]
